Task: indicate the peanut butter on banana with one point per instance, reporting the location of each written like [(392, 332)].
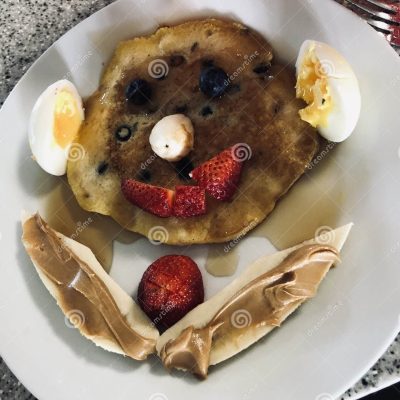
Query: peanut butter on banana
[(78, 287), (264, 301)]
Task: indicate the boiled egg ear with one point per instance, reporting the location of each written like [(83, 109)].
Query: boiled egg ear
[(54, 124), (329, 86)]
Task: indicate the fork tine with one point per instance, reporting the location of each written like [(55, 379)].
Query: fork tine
[(391, 33), (380, 25), (383, 6), (378, 14)]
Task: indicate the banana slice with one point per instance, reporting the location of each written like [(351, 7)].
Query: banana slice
[(172, 137), (90, 299), (261, 298)]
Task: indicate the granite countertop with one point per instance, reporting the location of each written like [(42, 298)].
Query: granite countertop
[(27, 29)]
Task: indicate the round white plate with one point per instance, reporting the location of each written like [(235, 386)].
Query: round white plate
[(334, 338)]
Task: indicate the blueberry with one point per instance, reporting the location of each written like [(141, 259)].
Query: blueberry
[(213, 81), (102, 168), (206, 110), (138, 92), (123, 133)]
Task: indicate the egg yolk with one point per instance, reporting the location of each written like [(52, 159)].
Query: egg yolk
[(67, 118), (312, 86)]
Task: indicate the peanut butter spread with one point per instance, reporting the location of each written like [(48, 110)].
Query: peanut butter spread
[(265, 301), (78, 287)]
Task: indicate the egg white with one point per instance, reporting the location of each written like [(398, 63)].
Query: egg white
[(51, 157), (344, 90)]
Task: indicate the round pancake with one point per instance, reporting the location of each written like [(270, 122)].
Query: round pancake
[(258, 110)]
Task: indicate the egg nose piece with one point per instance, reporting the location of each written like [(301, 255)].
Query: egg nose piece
[(172, 137)]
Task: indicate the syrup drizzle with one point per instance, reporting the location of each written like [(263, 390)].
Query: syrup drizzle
[(222, 260), (98, 232)]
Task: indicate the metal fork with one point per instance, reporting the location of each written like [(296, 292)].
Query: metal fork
[(384, 16)]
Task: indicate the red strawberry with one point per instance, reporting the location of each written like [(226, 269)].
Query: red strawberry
[(153, 199), (220, 175), (169, 289), (189, 201)]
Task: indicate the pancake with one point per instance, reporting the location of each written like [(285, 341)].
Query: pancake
[(259, 110)]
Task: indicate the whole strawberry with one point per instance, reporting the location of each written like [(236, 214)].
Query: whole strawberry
[(169, 289)]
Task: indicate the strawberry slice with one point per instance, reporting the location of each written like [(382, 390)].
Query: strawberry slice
[(153, 199), (220, 175), (169, 289), (189, 201)]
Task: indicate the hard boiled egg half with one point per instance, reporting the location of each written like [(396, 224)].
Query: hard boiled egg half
[(327, 83), (54, 123)]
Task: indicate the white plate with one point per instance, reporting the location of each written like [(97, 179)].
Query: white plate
[(334, 338)]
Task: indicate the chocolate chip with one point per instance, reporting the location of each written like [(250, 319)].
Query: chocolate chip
[(209, 32), (138, 92), (194, 47), (102, 168), (262, 68), (183, 167), (176, 60), (181, 109), (123, 133), (144, 175), (206, 110)]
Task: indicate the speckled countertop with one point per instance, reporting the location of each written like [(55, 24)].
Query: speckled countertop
[(27, 29)]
